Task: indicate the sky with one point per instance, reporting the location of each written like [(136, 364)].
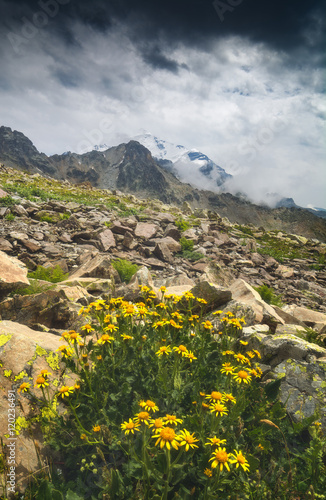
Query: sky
[(242, 81)]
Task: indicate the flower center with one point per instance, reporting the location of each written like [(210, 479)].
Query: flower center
[(171, 417), (182, 348), (143, 415), (216, 395), (40, 380), (219, 407), (241, 459), (167, 434), (242, 374), (221, 456), (150, 403), (130, 425)]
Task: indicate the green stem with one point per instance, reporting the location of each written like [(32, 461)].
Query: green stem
[(168, 465)]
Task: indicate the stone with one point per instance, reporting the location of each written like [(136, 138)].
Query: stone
[(129, 241), (162, 251), (173, 232), (118, 228), (97, 267), (146, 230), (284, 271), (13, 274), (106, 240), (31, 245), (214, 295), (5, 245), (173, 245), (26, 352), (313, 319), (297, 330), (243, 292)]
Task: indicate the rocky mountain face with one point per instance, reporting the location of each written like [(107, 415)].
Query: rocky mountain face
[(85, 230), (131, 168)]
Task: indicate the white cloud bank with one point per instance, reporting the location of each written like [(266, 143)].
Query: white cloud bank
[(253, 111)]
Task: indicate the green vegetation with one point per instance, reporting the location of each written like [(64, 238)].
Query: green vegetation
[(46, 218), (314, 337), (125, 268), (51, 274), (182, 224), (164, 407), (268, 295), (187, 250), (186, 245), (7, 201), (34, 288), (281, 249), (244, 229), (10, 217)]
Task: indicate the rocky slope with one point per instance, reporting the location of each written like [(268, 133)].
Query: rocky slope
[(131, 168), (84, 230)]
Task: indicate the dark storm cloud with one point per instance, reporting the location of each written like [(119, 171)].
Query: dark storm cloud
[(157, 60), (282, 23)]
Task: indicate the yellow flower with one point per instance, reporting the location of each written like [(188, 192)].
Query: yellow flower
[(240, 357), (202, 394), (227, 353), (201, 301), (45, 373), (99, 357), (239, 460), (156, 423), (83, 436), (41, 382), (190, 355), (162, 289), (217, 312), (96, 428), (187, 440), (66, 352), (142, 416), (205, 406), (149, 405), (229, 397), (220, 459), (127, 337), (243, 342), (215, 396), (214, 441), (218, 409), (257, 353), (24, 387), (65, 391), (208, 472), (188, 295), (110, 328), (177, 315), (181, 350), (227, 369), (129, 310), (165, 350), (172, 419), (166, 437), (207, 325), (88, 328), (174, 324), (242, 376), (142, 311), (250, 354), (105, 339), (77, 386), (161, 305), (130, 427)]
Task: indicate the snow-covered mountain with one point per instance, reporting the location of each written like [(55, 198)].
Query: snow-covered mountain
[(188, 165)]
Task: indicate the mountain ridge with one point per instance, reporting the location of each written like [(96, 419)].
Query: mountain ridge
[(131, 168)]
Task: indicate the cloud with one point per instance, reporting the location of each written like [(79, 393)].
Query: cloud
[(98, 74)]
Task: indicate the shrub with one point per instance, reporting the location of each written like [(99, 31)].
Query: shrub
[(34, 288), (193, 256), (52, 274), (186, 245), (125, 268), (164, 406), (10, 217), (7, 201), (182, 224), (268, 295)]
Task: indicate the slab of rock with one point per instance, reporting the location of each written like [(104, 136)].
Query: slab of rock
[(162, 251), (129, 241), (296, 330), (13, 274), (288, 318), (242, 292), (97, 267), (214, 295), (5, 245), (26, 352), (146, 230), (302, 389), (313, 319), (106, 240)]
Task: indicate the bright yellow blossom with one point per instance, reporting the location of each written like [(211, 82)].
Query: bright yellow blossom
[(24, 387), (105, 339), (130, 426), (220, 459), (165, 350), (242, 376), (172, 419), (166, 437), (215, 396), (96, 428), (218, 409), (239, 460), (65, 390), (181, 350), (142, 417), (187, 440), (207, 325)]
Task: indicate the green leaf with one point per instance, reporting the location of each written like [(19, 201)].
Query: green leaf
[(73, 496), (44, 491), (272, 388)]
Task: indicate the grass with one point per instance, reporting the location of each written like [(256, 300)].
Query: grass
[(51, 274), (125, 268), (268, 295), (163, 407)]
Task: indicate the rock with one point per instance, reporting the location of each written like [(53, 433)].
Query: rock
[(173, 245), (31, 245), (106, 240), (173, 232), (26, 352), (313, 319), (302, 389), (215, 296), (296, 330), (242, 292), (118, 228), (162, 251), (146, 230), (288, 318), (50, 308), (275, 349), (218, 274), (98, 267), (94, 286), (248, 330), (19, 210), (284, 271), (129, 241), (13, 274), (5, 245)]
